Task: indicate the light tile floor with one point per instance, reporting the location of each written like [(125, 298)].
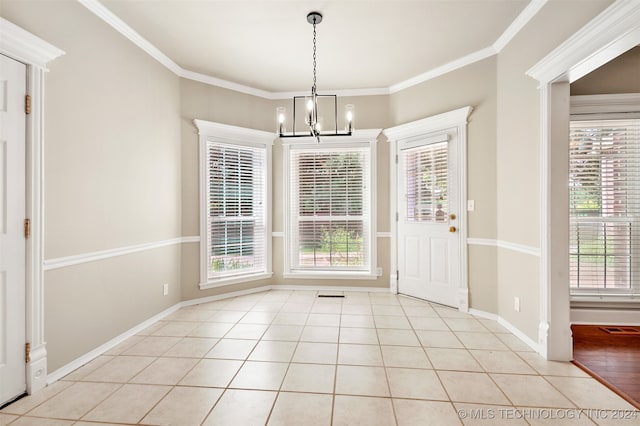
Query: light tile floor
[(292, 358)]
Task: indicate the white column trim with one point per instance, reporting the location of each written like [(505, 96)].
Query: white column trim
[(611, 33), (25, 47)]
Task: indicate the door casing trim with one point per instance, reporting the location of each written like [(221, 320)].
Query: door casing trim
[(35, 53), (456, 119)]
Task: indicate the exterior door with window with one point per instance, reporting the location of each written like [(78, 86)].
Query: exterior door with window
[(12, 239), (428, 210)]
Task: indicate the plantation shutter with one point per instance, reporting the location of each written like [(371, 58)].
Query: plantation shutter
[(237, 214), (330, 209), (426, 174), (604, 198)]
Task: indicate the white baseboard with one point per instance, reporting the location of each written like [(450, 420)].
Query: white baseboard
[(223, 296), (37, 369), (483, 314), (510, 327), (82, 360), (331, 288)]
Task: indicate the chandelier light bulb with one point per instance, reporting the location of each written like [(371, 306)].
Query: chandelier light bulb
[(280, 114), (349, 116)]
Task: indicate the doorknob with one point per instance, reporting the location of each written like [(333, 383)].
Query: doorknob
[(452, 216), (452, 229)]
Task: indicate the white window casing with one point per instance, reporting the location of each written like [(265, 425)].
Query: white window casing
[(330, 207), (235, 204), (604, 198), (604, 209)]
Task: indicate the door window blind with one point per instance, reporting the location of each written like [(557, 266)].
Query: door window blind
[(330, 209), (236, 198), (604, 203), (426, 182)]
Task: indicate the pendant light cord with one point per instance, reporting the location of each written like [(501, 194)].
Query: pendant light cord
[(314, 55)]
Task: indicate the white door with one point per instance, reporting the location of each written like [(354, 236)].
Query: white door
[(12, 239), (428, 239)]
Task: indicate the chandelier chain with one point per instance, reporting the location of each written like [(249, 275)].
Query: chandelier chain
[(314, 55)]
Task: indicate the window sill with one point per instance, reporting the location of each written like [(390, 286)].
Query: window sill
[(605, 302), (339, 275), (221, 282)]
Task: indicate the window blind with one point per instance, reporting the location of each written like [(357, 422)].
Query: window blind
[(604, 204), (426, 174), (330, 209), (236, 198)]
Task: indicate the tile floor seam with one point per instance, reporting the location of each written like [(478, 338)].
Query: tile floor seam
[(263, 309)]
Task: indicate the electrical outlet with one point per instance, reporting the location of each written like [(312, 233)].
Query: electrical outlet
[(379, 271), (516, 304), (471, 205), (165, 289)]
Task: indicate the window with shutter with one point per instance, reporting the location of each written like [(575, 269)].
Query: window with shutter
[(604, 203), (330, 213)]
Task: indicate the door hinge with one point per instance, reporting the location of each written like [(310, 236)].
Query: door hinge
[(397, 275), (396, 158), (27, 228), (27, 104), (397, 216), (27, 352)]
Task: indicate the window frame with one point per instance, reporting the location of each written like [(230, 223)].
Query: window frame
[(360, 139), (234, 136), (596, 108)]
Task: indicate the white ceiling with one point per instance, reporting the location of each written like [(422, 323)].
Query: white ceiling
[(267, 45)]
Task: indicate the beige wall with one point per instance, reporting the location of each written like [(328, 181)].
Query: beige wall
[(621, 75), (112, 177), (121, 163), (518, 148)]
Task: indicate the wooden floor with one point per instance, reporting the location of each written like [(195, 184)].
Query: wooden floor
[(611, 357)]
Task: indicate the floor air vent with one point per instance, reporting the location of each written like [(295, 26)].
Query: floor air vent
[(331, 295), (621, 330)]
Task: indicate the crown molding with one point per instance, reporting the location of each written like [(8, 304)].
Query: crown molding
[(119, 25), (225, 84), (123, 28), (23, 46), (444, 69), (611, 33), (518, 24)]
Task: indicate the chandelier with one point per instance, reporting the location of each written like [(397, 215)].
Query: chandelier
[(315, 106)]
